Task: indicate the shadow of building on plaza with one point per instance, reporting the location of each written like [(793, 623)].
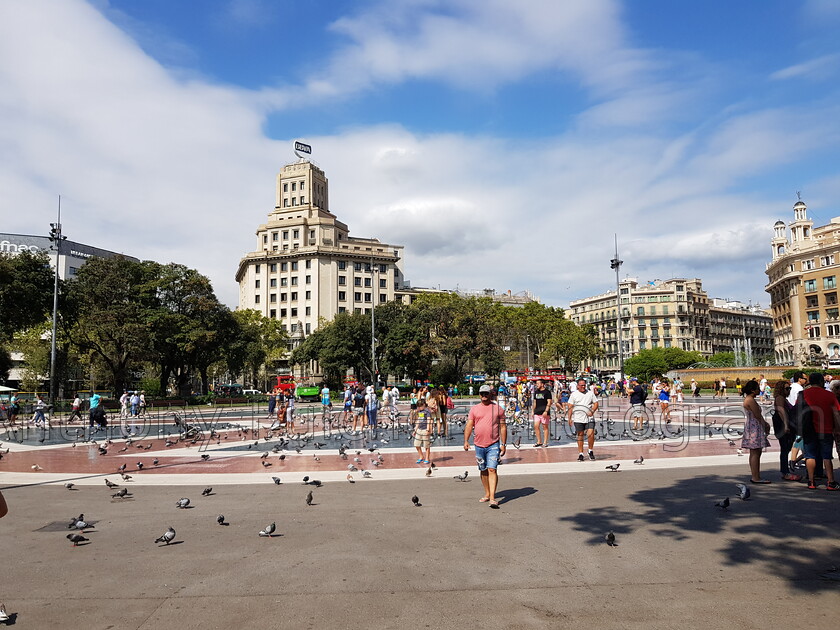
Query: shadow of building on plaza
[(788, 530)]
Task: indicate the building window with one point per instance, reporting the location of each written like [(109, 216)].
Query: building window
[(357, 282), (295, 233), (256, 284), (294, 265), (308, 279), (342, 309), (383, 283), (257, 268), (311, 233), (813, 316), (285, 203), (286, 187), (308, 295), (342, 281), (357, 311), (832, 313), (282, 312), (642, 345), (284, 282), (284, 266), (272, 282), (383, 268), (294, 312), (283, 297), (640, 311), (302, 200), (273, 313), (256, 299), (383, 298), (357, 266), (814, 332), (367, 297), (274, 236), (342, 265), (294, 281), (294, 296), (833, 330), (807, 265), (294, 186), (308, 328), (272, 298), (307, 310), (294, 327), (367, 282), (272, 267), (829, 282), (810, 285), (812, 301), (830, 298), (285, 235), (308, 264), (357, 296), (265, 239), (342, 296), (825, 261)]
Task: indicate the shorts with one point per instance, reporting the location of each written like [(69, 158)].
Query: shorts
[(359, 411), (638, 409), (414, 405), (422, 439), (820, 447), (348, 406), (797, 443), (541, 419), (580, 427), (487, 457)]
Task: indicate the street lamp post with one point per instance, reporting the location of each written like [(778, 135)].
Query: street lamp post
[(56, 238), (615, 263)]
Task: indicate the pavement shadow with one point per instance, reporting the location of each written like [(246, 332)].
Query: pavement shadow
[(511, 494), (782, 527)]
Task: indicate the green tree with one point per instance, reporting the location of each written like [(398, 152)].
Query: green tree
[(569, 344), (657, 361), (26, 292), (257, 340)]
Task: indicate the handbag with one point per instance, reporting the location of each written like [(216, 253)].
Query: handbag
[(449, 403)]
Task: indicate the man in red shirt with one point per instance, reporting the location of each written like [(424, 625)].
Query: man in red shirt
[(488, 420), (825, 414)]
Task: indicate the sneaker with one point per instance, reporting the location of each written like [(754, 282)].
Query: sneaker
[(812, 486), (537, 445), (592, 456), (580, 457), (832, 486)]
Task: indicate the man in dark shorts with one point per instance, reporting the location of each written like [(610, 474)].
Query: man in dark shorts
[(583, 404), (488, 420), (825, 414), (637, 403), (542, 415)]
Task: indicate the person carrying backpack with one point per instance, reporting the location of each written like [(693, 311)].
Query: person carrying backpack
[(817, 426)]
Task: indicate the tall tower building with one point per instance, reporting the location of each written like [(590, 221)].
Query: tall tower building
[(306, 266)]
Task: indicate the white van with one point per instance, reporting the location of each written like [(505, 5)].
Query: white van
[(251, 392)]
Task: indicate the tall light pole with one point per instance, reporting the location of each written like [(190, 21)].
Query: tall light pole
[(56, 238), (373, 289), (615, 263)]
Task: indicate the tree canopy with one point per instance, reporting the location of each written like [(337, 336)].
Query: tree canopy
[(657, 361)]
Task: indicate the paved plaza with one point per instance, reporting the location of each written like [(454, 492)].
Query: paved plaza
[(363, 555)]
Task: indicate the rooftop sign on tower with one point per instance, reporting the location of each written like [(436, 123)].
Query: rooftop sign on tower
[(301, 147)]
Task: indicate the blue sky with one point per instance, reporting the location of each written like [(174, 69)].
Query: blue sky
[(504, 143)]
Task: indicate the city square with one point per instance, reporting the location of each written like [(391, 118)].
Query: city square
[(438, 314)]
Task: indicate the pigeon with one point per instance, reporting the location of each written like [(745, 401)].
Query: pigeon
[(309, 498), (167, 537), (80, 524), (121, 468), (641, 460), (206, 491), (75, 519), (613, 467), (352, 468), (125, 477), (350, 478), (36, 467), (723, 504), (76, 539), (429, 471), (416, 501), (610, 538), (103, 450), (366, 474), (220, 519), (276, 481), (120, 494), (740, 452), (743, 492), (306, 480), (205, 456), (69, 485), (282, 457), (155, 461), (268, 531), (4, 616), (182, 503), (265, 464), (139, 465), (111, 484), (517, 441), (462, 477), (264, 455)]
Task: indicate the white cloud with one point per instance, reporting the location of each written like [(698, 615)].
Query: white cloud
[(164, 167), (819, 68)]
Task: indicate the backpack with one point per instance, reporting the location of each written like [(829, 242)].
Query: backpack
[(802, 419), (643, 395)]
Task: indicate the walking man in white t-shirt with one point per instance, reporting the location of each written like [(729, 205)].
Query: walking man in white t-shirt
[(582, 407)]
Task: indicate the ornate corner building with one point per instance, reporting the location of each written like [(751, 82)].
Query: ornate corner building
[(802, 283), (306, 267)]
